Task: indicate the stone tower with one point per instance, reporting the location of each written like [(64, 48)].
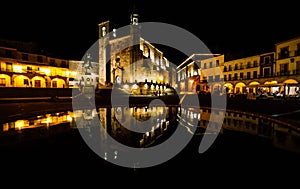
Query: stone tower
[(135, 33), (104, 53)]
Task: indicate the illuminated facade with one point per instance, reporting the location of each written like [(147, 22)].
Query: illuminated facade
[(272, 73), (26, 69), (200, 72), (132, 62)]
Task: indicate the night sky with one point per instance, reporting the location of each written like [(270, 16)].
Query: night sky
[(68, 30)]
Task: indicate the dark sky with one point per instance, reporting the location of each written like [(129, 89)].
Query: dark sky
[(69, 29)]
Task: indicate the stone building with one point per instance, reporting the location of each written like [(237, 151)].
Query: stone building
[(129, 61)]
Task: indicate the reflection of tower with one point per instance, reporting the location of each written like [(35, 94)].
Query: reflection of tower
[(104, 53), (135, 32)]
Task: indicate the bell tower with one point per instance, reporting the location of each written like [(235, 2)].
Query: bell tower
[(135, 32), (104, 53)]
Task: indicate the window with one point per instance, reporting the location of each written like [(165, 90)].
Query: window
[(254, 74), (241, 66), (229, 77), (39, 58), (8, 54), (204, 66), (64, 64), (2, 82), (52, 62), (248, 64), (9, 67), (54, 84), (210, 64), (267, 60), (217, 78), (37, 83), (235, 76), (217, 63), (241, 75), (255, 63), (297, 52), (248, 75), (24, 56), (284, 69), (229, 68), (284, 53), (236, 67), (26, 82), (267, 72), (225, 77), (225, 69)]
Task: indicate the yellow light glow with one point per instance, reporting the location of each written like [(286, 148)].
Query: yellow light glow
[(290, 81), (270, 82), (134, 86), (19, 124), (69, 118), (254, 83), (45, 70), (17, 68), (5, 127)]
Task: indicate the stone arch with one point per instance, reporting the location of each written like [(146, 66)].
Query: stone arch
[(229, 87), (290, 81), (58, 83), (21, 81), (5, 80), (38, 82), (240, 87)]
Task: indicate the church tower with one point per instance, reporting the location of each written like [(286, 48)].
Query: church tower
[(104, 53), (135, 32)]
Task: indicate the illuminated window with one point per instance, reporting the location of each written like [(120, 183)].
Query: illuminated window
[(2, 82), (9, 67)]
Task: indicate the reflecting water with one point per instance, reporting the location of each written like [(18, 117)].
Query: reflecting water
[(126, 125)]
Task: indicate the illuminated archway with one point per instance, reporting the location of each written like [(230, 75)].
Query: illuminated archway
[(270, 82), (22, 81), (38, 82), (253, 87), (58, 83), (290, 81), (292, 89), (240, 88), (4, 80), (228, 87), (253, 83)]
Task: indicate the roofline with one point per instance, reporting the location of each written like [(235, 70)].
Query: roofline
[(190, 57), (292, 39)]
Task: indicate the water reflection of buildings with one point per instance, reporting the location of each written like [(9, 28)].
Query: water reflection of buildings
[(282, 135), (36, 127), (122, 122)]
